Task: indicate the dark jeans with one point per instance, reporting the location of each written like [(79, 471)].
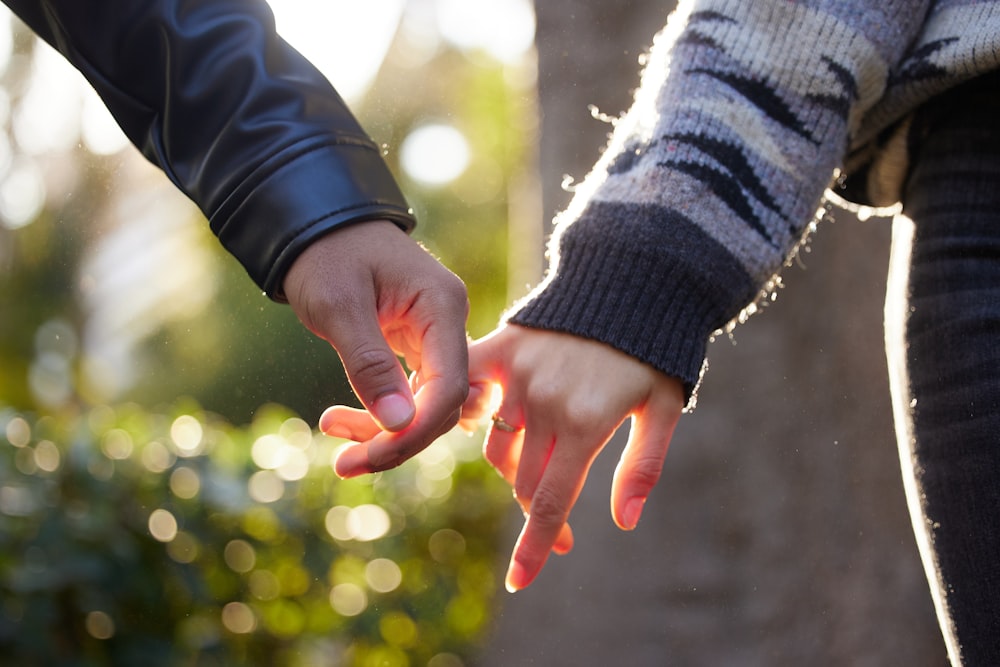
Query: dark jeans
[(943, 344)]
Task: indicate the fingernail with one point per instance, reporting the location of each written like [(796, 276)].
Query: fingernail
[(633, 509), (393, 411), (517, 577)]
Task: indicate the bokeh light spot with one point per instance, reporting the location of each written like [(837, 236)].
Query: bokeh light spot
[(505, 29), (99, 625), (348, 599), (24, 461), (22, 194), (268, 451), (117, 444), (265, 487), (284, 618), (446, 546), (295, 466), (240, 556), (239, 618), (187, 434), (162, 525), (434, 154), (185, 482), (264, 585), (47, 456), (445, 660), (398, 629), (363, 523), (18, 432), (156, 457), (184, 548), (297, 433), (383, 575), (262, 523), (368, 522), (336, 523)]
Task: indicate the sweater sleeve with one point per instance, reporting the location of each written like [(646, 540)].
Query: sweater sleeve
[(239, 121), (715, 173)]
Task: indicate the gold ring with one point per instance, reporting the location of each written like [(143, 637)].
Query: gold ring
[(500, 423)]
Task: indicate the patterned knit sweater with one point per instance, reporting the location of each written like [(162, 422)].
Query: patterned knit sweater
[(747, 112)]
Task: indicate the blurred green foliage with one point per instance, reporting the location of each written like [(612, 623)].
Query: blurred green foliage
[(174, 538)]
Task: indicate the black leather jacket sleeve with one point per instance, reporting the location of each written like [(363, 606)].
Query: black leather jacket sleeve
[(235, 117)]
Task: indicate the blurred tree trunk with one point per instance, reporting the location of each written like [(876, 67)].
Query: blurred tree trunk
[(778, 534)]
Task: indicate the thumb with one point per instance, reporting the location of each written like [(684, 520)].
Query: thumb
[(373, 369)]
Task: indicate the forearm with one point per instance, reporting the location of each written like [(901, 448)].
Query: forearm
[(715, 174), (234, 116)]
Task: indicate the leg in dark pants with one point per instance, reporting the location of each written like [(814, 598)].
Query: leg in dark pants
[(944, 302)]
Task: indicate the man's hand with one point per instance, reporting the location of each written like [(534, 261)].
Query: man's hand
[(373, 293)]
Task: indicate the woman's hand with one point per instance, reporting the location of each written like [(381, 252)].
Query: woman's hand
[(563, 397)]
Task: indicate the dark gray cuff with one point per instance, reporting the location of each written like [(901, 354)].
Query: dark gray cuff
[(645, 280)]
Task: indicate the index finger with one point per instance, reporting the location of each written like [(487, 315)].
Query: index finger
[(487, 372)]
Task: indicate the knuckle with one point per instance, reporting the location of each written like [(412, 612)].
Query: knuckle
[(451, 284), (448, 295), (525, 366), (328, 312), (575, 413), (582, 416), (578, 419), (541, 394), (454, 289), (371, 363), (548, 511), (645, 471)]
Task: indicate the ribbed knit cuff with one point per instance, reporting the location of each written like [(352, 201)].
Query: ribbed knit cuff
[(645, 280)]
